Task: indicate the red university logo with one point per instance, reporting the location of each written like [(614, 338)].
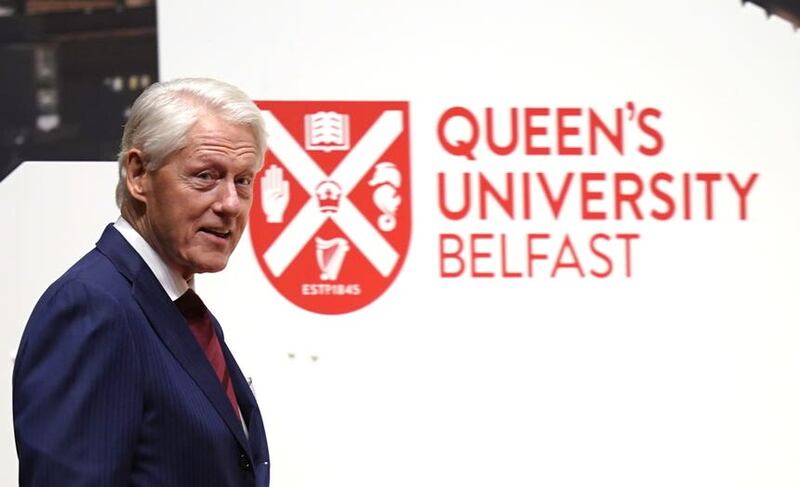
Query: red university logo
[(331, 219)]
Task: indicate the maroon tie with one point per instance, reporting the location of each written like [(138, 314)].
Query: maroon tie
[(199, 319)]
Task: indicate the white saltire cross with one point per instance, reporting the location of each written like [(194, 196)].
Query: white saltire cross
[(347, 174)]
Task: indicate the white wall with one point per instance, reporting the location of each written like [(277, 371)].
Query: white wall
[(685, 374), (55, 212)]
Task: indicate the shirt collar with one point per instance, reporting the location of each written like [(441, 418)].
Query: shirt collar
[(172, 282)]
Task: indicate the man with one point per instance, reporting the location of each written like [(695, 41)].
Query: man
[(122, 376)]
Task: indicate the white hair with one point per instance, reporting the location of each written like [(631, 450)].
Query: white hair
[(162, 116)]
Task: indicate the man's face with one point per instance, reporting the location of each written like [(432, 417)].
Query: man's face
[(198, 201)]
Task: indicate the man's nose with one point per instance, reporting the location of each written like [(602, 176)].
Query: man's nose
[(228, 201)]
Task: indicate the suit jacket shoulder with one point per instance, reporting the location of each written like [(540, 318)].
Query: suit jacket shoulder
[(110, 387)]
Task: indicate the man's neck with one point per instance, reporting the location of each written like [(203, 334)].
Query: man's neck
[(173, 281)]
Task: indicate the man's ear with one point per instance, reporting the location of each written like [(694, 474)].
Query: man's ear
[(136, 176)]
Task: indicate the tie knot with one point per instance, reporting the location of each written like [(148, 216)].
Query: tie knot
[(190, 305)]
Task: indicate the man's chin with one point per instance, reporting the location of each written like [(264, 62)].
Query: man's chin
[(206, 266), (211, 269)]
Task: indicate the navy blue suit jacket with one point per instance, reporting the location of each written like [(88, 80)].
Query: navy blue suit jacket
[(112, 389)]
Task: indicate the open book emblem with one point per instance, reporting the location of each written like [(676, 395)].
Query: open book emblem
[(327, 131)]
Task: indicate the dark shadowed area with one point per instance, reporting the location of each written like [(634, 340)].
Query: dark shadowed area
[(70, 71)]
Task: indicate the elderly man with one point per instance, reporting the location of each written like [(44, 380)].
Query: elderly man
[(123, 376)]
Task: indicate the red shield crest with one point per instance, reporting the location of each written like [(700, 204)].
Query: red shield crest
[(331, 217)]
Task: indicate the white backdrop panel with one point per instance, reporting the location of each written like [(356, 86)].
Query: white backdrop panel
[(55, 212), (685, 374)]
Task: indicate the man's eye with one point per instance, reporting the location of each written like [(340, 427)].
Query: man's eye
[(205, 176), (244, 181)]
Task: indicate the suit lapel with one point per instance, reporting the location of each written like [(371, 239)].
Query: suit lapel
[(170, 326), (244, 395), (248, 406)]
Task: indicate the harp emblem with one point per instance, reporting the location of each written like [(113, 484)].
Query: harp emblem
[(330, 257)]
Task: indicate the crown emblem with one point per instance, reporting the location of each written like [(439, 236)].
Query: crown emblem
[(328, 193)]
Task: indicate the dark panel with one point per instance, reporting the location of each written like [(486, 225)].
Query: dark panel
[(68, 80)]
